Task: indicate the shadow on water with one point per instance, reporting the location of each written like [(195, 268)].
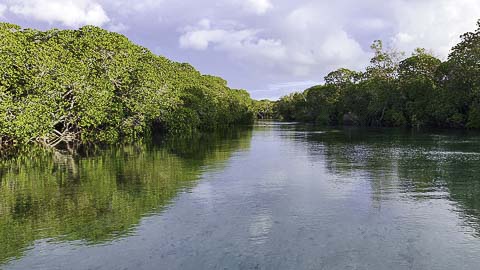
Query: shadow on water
[(100, 195), (420, 165)]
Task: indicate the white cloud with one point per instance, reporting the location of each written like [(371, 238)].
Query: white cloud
[(201, 39), (71, 13), (320, 43), (433, 24), (297, 52), (239, 42)]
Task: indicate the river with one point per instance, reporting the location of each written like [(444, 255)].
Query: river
[(278, 196)]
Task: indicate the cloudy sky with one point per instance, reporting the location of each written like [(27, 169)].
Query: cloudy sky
[(269, 47)]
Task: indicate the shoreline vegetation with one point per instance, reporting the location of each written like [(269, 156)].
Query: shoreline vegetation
[(92, 86), (419, 91)]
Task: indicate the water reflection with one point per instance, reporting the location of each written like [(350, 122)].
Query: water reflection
[(419, 165), (283, 197), (98, 196)]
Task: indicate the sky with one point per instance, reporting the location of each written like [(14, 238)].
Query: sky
[(268, 47)]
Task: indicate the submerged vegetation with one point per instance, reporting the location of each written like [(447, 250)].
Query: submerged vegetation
[(91, 85), (419, 91)]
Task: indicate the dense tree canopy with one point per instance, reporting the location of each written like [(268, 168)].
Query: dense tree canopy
[(418, 91), (90, 85)]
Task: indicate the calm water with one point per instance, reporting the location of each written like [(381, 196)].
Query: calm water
[(279, 196)]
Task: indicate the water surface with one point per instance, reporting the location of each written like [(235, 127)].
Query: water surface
[(280, 196)]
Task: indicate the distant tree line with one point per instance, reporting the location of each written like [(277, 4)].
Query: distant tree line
[(419, 91), (264, 109), (91, 85)]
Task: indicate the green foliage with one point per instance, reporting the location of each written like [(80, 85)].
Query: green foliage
[(91, 85), (417, 91), (418, 88), (292, 107), (474, 116), (264, 109)]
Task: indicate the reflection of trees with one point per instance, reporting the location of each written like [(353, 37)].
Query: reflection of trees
[(420, 165), (95, 198), (449, 175)]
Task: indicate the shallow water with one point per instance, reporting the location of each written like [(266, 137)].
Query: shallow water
[(280, 196)]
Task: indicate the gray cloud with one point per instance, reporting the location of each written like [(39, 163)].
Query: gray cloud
[(268, 46)]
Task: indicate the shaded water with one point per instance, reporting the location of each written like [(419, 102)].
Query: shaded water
[(278, 197)]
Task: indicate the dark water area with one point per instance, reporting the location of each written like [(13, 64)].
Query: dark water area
[(278, 196)]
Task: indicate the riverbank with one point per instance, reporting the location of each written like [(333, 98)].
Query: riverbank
[(94, 86)]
